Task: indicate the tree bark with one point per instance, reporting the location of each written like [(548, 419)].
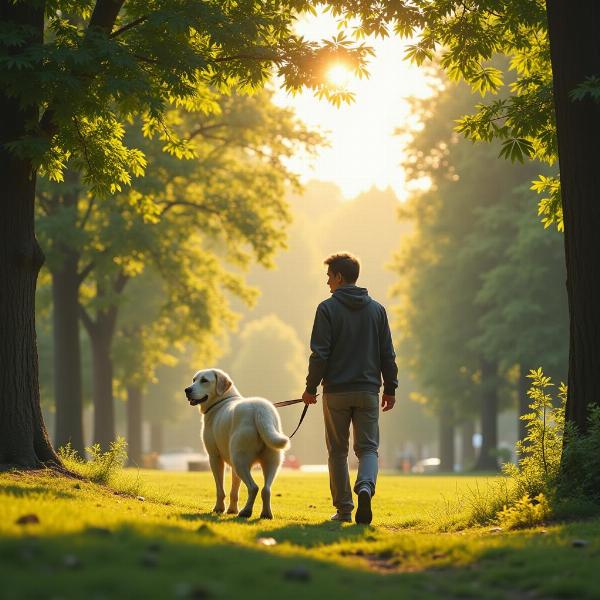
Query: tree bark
[(102, 389), (23, 437), (446, 433), (575, 55), (488, 459), (156, 438), (67, 353), (468, 451), (134, 425), (101, 332)]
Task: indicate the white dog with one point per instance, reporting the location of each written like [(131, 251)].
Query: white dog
[(241, 432)]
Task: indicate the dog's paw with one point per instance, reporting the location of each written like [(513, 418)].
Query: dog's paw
[(245, 513), (232, 510), (266, 514), (218, 509)]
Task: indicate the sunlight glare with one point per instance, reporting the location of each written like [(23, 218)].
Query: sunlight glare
[(339, 75)]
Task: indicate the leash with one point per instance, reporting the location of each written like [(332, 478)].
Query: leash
[(289, 403)]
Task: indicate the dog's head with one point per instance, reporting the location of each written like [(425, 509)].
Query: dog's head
[(207, 388)]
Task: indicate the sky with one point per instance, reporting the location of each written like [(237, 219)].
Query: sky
[(364, 152)]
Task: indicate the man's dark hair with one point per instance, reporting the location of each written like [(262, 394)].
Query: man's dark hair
[(345, 264)]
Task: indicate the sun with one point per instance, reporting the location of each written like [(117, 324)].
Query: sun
[(339, 75)]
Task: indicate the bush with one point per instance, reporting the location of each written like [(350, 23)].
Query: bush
[(575, 481), (552, 478), (102, 466), (539, 454), (526, 497), (525, 512)]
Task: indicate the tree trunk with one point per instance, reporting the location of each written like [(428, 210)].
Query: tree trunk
[(134, 425), (156, 438), (575, 54), (446, 433), (488, 458), (23, 437), (524, 402), (67, 354), (468, 451), (102, 390)]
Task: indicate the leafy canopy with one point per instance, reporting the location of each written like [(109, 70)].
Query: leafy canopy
[(103, 64), (465, 36)]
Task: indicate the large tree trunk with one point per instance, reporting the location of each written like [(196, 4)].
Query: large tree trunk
[(134, 425), (488, 458), (446, 433), (575, 53), (67, 354), (467, 448), (102, 390), (23, 438)]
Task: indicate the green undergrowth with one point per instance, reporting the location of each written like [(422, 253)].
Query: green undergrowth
[(558, 470), (63, 538)]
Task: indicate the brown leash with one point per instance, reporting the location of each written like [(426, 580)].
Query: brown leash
[(289, 403)]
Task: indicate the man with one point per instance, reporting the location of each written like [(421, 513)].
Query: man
[(351, 348)]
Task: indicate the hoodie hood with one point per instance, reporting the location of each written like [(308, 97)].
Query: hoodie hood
[(352, 296)]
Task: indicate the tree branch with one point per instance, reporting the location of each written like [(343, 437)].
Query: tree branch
[(85, 272), (128, 26), (170, 205), (87, 321), (88, 212), (120, 282)]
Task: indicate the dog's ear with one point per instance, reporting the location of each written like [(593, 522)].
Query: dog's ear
[(223, 382)]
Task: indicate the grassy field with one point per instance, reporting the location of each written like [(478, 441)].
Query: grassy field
[(94, 542)]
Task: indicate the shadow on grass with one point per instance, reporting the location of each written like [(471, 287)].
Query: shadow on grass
[(162, 561), (319, 534), (19, 491), (212, 517), (170, 562)]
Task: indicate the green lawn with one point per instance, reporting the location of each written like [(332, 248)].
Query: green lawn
[(93, 543)]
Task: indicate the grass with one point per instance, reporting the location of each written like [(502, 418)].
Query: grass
[(97, 542)]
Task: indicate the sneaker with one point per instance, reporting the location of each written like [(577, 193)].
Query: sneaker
[(342, 517), (364, 515)]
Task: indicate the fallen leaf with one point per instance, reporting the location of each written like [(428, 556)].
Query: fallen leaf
[(29, 519)]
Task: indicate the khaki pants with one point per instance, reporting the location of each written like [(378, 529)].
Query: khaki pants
[(361, 409)]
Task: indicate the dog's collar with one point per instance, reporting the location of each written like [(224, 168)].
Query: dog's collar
[(219, 402)]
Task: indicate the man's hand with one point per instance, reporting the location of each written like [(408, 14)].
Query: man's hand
[(309, 398), (387, 402)]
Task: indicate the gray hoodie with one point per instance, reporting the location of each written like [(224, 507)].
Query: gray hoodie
[(351, 345)]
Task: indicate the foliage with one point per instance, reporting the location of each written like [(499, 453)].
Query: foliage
[(94, 69), (155, 259), (525, 512), (478, 279), (465, 37), (575, 481), (102, 466), (538, 468)]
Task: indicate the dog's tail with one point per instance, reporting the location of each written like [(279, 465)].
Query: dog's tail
[(268, 426)]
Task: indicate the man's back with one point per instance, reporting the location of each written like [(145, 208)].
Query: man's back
[(351, 343)]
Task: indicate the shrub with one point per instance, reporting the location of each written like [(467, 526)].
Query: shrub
[(576, 482), (525, 512), (102, 466), (538, 469)]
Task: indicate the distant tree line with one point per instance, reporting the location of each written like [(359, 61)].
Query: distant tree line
[(480, 282)]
